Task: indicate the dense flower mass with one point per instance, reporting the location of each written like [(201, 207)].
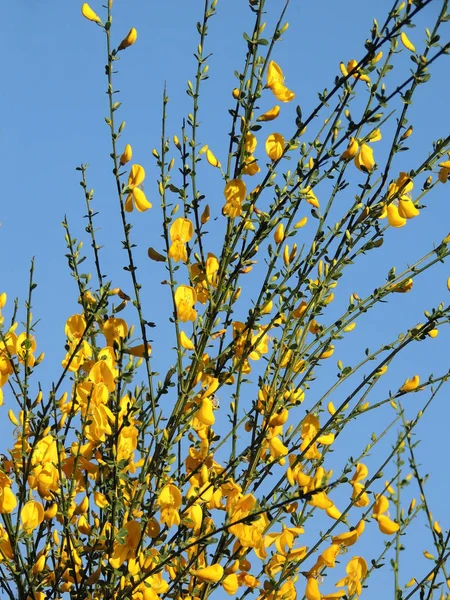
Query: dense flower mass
[(222, 425)]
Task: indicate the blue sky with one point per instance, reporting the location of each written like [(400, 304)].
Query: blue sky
[(53, 108)]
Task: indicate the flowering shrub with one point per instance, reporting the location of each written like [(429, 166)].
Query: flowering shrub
[(219, 477)]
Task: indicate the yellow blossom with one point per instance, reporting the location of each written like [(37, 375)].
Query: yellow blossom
[(169, 501), (310, 196), (411, 384), (127, 549), (357, 74), (386, 525), (8, 501), (275, 82), (275, 146), (356, 570), (181, 232), (32, 515), (211, 574), (129, 40), (136, 197), (270, 115), (279, 234), (234, 192), (364, 160), (212, 159), (312, 591), (406, 42), (127, 155), (444, 172), (89, 14), (230, 584), (185, 342), (352, 150), (185, 298)]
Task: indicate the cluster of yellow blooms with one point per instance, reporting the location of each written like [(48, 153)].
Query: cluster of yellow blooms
[(93, 498)]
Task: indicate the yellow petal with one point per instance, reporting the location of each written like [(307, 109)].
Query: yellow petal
[(270, 115), (312, 591), (211, 574), (364, 160), (274, 74), (406, 42), (212, 159), (406, 208), (8, 501), (393, 215), (186, 342), (89, 14), (127, 154), (236, 190), (32, 515), (137, 176), (279, 234), (282, 93), (352, 150), (387, 526), (230, 584), (275, 146), (140, 200), (205, 413), (411, 384), (129, 40)]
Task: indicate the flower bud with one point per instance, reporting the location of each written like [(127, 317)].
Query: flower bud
[(129, 40)]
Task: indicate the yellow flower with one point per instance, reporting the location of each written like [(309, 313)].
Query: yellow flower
[(129, 40), (364, 160), (270, 115), (8, 501), (444, 172), (275, 82), (127, 155), (250, 143), (393, 216), (185, 298), (406, 42), (114, 330), (234, 192), (356, 570), (205, 413), (185, 342), (386, 525), (136, 197), (212, 159), (356, 75), (126, 550), (310, 197), (32, 515), (352, 150), (312, 591), (230, 584), (100, 500), (169, 501), (275, 146), (279, 234), (411, 384), (251, 166), (211, 574), (181, 232), (375, 136), (89, 14), (406, 208)]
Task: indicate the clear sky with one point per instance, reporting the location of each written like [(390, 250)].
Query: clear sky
[(53, 105)]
